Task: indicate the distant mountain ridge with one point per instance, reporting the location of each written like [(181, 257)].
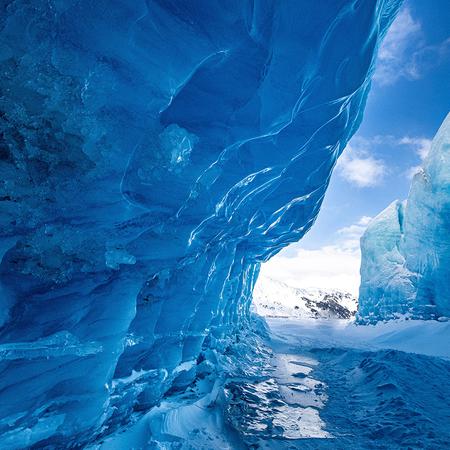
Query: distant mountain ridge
[(274, 298)]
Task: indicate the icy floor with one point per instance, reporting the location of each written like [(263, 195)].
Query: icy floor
[(429, 337), (325, 384), (362, 387)]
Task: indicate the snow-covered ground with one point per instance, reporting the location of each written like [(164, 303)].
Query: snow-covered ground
[(384, 386), (273, 298), (426, 337), (317, 384)]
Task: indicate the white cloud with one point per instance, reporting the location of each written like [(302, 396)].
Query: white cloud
[(412, 171), (350, 235), (403, 34), (331, 267), (358, 167), (426, 58), (404, 52), (422, 146), (364, 221)]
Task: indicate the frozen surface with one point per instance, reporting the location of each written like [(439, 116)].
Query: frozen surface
[(153, 154), (405, 267), (430, 338), (320, 384), (381, 386)]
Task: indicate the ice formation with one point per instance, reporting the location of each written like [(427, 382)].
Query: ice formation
[(153, 154), (405, 267)]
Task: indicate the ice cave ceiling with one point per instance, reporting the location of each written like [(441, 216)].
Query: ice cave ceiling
[(153, 154)]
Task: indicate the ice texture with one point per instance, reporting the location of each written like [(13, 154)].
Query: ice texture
[(405, 267), (153, 154)]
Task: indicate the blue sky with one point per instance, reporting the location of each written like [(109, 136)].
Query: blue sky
[(409, 99)]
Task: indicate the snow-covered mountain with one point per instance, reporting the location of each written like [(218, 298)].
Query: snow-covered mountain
[(274, 298)]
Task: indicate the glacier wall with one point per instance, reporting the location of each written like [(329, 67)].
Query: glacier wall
[(153, 154), (405, 266)]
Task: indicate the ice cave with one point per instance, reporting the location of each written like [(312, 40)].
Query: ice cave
[(154, 153)]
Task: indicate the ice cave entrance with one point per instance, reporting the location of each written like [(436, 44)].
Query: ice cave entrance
[(318, 277)]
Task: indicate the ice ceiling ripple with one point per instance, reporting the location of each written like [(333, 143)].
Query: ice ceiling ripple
[(153, 154)]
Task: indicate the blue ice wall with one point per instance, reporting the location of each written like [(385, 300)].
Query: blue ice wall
[(153, 154), (405, 266)]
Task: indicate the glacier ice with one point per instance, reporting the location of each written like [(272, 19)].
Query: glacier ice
[(405, 250), (153, 154)]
